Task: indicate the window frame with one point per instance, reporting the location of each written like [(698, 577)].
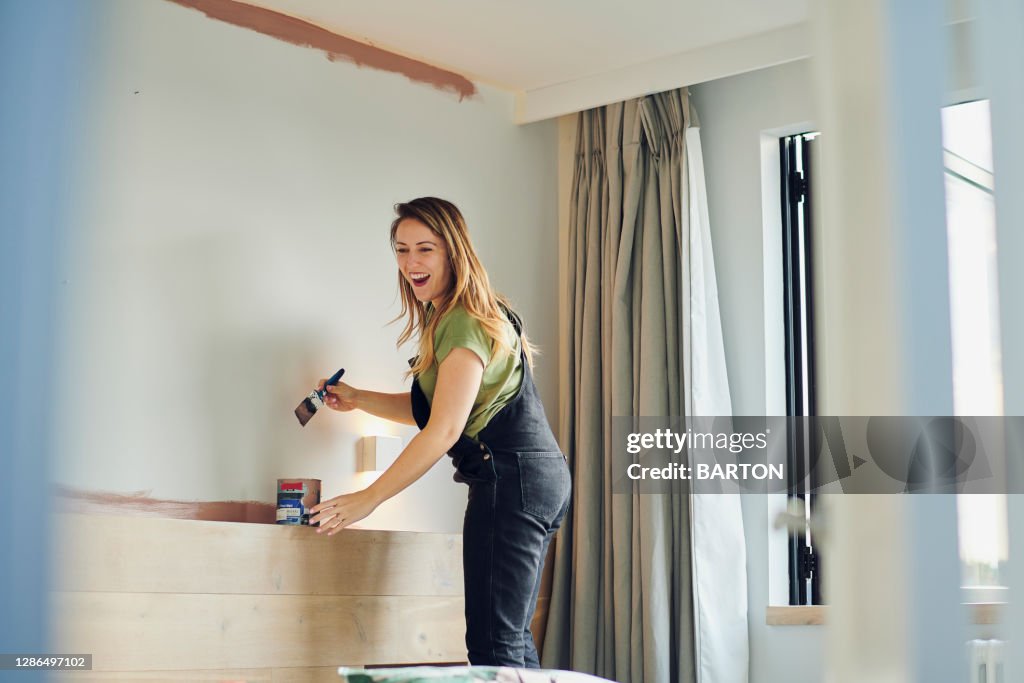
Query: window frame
[(796, 164)]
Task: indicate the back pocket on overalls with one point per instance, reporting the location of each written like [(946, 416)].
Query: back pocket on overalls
[(544, 478)]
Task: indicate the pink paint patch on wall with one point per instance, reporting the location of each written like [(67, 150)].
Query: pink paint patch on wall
[(139, 503), (338, 48)]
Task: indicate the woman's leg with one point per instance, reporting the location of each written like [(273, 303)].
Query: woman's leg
[(477, 553), (530, 658), (507, 530), (501, 562)]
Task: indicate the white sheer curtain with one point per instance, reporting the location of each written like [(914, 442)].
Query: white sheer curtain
[(718, 546)]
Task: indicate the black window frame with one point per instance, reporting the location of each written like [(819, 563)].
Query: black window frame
[(797, 154)]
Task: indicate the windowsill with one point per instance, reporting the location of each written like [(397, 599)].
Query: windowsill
[(814, 615), (795, 615)]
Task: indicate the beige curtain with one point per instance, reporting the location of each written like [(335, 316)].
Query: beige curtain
[(622, 603)]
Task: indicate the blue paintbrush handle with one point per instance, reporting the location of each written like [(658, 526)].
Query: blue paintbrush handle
[(333, 380)]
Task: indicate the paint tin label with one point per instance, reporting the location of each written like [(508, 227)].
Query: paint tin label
[(294, 499)]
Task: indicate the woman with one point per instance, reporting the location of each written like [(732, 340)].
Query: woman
[(472, 397)]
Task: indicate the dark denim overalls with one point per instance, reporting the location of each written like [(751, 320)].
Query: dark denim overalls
[(518, 494)]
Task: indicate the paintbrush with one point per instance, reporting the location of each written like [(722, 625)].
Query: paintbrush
[(315, 401)]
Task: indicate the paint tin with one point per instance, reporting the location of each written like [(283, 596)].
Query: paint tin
[(294, 499)]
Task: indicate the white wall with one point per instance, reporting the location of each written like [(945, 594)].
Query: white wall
[(231, 248), (734, 114)]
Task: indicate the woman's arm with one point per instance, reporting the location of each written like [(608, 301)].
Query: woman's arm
[(394, 407), (458, 382)]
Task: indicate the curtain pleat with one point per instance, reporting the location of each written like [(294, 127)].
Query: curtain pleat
[(622, 602)]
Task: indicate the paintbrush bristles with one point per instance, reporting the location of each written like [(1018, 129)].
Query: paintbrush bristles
[(315, 401), (306, 410)]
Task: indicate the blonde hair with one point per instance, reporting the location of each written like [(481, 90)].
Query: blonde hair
[(470, 287)]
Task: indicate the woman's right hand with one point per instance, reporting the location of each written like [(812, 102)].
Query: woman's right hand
[(340, 396)]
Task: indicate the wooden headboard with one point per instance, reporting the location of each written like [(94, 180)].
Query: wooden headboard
[(170, 599)]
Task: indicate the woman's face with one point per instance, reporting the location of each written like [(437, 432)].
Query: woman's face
[(423, 260)]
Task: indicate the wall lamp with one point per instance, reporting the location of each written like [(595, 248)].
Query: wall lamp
[(376, 453)]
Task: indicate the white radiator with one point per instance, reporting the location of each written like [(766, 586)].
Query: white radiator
[(986, 661)]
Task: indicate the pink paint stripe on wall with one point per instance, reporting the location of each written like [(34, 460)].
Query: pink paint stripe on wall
[(303, 33), (139, 503)]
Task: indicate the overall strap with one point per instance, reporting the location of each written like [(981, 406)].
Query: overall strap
[(513, 318)]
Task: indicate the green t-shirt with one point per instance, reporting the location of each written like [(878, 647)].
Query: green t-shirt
[(502, 374)]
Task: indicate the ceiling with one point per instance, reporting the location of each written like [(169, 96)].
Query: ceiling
[(532, 44)]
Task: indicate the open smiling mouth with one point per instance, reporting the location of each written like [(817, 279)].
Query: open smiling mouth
[(419, 279)]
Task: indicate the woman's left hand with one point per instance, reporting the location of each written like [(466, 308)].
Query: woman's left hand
[(337, 513)]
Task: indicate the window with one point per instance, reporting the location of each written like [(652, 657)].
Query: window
[(977, 368), (796, 154), (974, 305)]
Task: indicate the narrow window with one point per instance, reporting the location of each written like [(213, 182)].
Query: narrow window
[(797, 154), (974, 307)]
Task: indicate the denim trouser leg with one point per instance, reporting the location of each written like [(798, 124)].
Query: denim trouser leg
[(503, 556), (530, 658)]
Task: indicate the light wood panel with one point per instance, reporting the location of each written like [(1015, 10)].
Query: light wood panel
[(982, 613), (169, 599), (540, 622), (797, 615), (322, 674), (168, 631), (152, 555)]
